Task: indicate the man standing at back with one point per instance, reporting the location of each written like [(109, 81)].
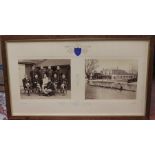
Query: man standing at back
[(50, 72)]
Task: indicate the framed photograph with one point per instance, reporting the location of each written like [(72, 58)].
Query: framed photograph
[(77, 77)]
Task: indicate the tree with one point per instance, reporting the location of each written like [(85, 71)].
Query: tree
[(90, 66)]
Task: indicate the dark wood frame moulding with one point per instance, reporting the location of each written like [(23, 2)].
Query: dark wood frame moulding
[(26, 38)]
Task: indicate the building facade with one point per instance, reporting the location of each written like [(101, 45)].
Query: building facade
[(115, 74)]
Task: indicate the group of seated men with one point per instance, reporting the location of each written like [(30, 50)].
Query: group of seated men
[(45, 81)]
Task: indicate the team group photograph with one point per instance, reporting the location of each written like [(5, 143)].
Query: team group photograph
[(45, 78)]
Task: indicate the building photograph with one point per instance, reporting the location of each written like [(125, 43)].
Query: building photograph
[(45, 78), (111, 79)]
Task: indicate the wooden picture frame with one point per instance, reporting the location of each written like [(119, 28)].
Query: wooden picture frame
[(78, 39)]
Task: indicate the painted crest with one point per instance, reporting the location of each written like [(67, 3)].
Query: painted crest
[(77, 51)]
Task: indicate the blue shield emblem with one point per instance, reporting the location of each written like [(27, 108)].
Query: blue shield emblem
[(77, 51)]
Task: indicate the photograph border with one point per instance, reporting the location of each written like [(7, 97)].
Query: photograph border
[(39, 91), (42, 38), (104, 74)]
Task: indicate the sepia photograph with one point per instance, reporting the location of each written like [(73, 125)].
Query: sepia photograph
[(45, 78), (110, 79)]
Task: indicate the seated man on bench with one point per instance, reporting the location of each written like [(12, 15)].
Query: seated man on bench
[(63, 84), (49, 89), (27, 85)]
